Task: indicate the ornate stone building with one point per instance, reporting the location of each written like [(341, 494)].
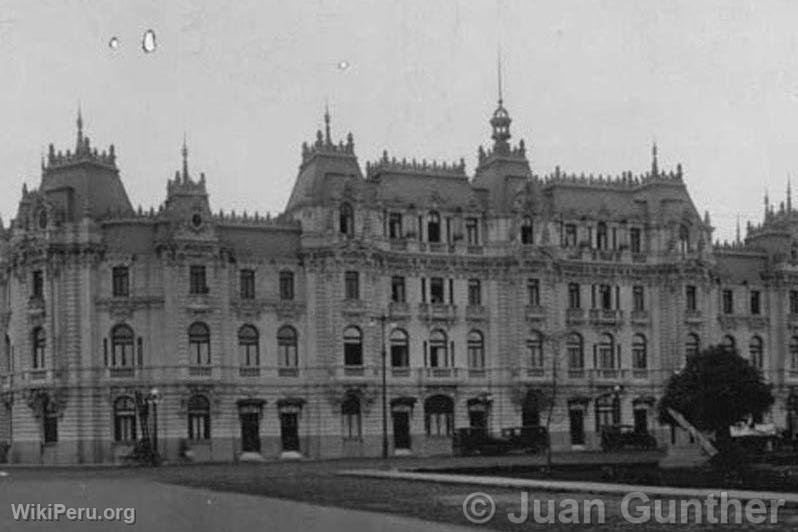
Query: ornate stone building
[(494, 295)]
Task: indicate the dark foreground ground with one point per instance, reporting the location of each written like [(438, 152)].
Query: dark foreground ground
[(318, 483)]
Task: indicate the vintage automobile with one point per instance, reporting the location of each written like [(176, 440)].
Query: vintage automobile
[(472, 440), (617, 437)]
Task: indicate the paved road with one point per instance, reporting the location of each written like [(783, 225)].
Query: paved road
[(175, 508)]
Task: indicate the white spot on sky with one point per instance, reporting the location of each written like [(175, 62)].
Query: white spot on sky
[(343, 65), (148, 42), (113, 43)]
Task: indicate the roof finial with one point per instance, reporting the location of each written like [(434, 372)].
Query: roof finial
[(737, 231), (789, 195), (185, 159), (327, 137), (80, 129), (654, 166), (499, 73), (767, 203)]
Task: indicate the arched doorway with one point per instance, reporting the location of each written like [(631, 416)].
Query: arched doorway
[(530, 409), (478, 413), (250, 412), (401, 412)]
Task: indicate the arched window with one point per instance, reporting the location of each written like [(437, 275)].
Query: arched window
[(684, 239), (248, 346), (639, 352), (350, 417), (794, 353), (439, 416), (729, 343), (755, 352), (692, 345), (124, 419), (199, 344), (534, 349), (400, 352), (353, 347), (346, 219), (39, 345), (476, 350), (601, 236), (122, 347), (606, 351), (438, 352), (527, 234), (287, 347), (433, 227), (199, 418), (576, 352)]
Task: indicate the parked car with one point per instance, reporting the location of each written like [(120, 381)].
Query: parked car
[(617, 437), (472, 440)]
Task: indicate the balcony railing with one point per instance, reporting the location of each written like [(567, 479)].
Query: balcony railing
[(692, 316), (535, 313), (612, 317), (401, 372), (249, 371), (476, 312), (574, 316), (639, 316), (477, 373), (200, 371), (127, 372), (398, 309), (288, 372), (437, 311)]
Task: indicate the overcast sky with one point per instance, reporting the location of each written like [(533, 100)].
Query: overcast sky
[(589, 85)]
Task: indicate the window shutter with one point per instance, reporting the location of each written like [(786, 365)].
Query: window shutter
[(426, 357), (105, 351), (595, 356)]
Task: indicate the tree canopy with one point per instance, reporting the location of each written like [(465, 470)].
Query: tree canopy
[(717, 389)]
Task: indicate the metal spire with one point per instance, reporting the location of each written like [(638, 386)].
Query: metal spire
[(654, 165), (499, 73), (327, 136), (79, 142), (185, 159)]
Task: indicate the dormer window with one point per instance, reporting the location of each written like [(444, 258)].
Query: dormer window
[(526, 231), (684, 239), (472, 231), (43, 219), (634, 240), (601, 236), (433, 227), (120, 278), (346, 219), (394, 225)]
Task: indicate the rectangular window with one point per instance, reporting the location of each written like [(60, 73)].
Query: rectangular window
[(197, 281), (727, 297), (534, 353), (605, 296), (690, 296), (398, 289), (574, 296), (533, 292), (352, 426), (199, 427), (121, 281), (286, 286), (472, 231), (395, 225), (570, 235), (247, 284), (638, 298), (474, 292), (755, 302), (352, 285), (436, 296), (439, 424), (38, 284), (793, 301), (634, 240)]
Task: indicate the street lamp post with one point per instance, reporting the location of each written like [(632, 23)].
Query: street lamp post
[(383, 356), (153, 398)]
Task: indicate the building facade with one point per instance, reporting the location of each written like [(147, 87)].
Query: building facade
[(497, 299)]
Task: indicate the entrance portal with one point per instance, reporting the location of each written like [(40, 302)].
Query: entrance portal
[(250, 432), (401, 429), (289, 430), (577, 420)]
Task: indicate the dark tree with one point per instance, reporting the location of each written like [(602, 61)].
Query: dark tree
[(715, 390)]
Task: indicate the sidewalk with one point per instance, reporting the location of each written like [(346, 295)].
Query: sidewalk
[(570, 486)]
